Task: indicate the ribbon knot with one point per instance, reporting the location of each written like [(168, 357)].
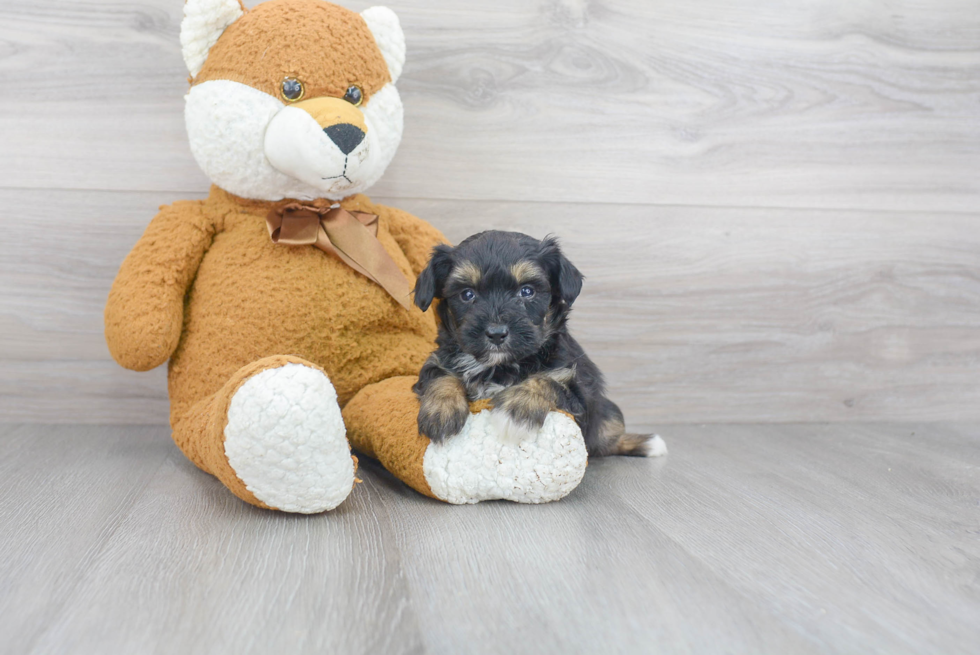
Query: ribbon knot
[(350, 236)]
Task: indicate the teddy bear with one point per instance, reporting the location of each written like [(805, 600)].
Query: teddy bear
[(282, 301)]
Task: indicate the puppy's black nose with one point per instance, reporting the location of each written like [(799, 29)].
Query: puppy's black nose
[(346, 136), (497, 333)]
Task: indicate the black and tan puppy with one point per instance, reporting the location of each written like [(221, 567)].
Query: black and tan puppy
[(503, 335)]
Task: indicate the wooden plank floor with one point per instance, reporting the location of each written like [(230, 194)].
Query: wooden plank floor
[(744, 539)]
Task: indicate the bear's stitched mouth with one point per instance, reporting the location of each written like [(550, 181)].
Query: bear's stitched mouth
[(342, 175)]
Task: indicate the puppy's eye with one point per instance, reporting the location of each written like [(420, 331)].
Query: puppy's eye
[(466, 295), (354, 96), (292, 89), (527, 292)]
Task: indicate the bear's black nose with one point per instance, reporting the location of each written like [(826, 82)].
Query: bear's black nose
[(497, 333), (346, 136)]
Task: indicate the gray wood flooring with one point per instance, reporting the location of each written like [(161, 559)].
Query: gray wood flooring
[(744, 539)]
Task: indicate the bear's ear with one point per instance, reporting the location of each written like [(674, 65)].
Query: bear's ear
[(204, 21), (388, 34)]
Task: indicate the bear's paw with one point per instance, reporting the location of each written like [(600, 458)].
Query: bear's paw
[(286, 440), (478, 464)]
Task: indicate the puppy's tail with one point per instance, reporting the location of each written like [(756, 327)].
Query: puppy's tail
[(611, 437), (640, 445)]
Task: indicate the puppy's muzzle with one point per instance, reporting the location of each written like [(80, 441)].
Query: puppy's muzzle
[(497, 334)]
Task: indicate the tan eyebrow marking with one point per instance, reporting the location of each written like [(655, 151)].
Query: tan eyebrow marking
[(525, 271), (466, 273)]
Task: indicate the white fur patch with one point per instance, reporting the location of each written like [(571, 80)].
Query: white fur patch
[(508, 430), (227, 123), (384, 115), (287, 442), (204, 22), (475, 465), (388, 34), (656, 447), (296, 145)]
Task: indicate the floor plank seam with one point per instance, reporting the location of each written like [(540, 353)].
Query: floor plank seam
[(384, 197), (410, 593)]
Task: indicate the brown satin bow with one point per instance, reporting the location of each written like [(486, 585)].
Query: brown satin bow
[(351, 236)]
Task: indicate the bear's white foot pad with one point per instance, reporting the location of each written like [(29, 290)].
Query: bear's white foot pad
[(476, 465), (287, 442)]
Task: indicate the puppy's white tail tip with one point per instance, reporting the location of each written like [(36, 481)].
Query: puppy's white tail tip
[(656, 446)]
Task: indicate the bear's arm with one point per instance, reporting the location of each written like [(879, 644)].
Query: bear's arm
[(414, 236), (144, 314)]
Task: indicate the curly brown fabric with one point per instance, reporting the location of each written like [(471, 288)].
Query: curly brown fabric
[(328, 48), (207, 289)]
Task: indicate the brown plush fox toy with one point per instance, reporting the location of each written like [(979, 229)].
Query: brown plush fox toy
[(282, 301)]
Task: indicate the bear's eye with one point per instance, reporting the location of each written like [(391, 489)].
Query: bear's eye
[(467, 295), (354, 96), (292, 89), (527, 292)]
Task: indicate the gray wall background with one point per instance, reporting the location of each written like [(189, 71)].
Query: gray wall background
[(775, 203)]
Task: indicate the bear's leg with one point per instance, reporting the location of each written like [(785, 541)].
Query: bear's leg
[(273, 435), (475, 464)]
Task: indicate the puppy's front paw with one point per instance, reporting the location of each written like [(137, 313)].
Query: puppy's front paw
[(443, 409), (437, 422), (520, 411)]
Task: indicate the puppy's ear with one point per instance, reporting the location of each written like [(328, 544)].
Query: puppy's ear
[(431, 280), (566, 280)]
